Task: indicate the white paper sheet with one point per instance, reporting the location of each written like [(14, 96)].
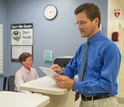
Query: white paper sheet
[(49, 72)]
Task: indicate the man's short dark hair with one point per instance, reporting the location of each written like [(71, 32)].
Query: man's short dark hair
[(92, 11), (24, 56)]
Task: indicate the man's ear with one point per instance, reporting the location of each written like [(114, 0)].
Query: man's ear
[(96, 21), (23, 62)]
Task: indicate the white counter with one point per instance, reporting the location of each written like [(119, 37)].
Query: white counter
[(58, 97), (15, 99)]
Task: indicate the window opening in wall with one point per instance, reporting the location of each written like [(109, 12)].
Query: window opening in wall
[(1, 49)]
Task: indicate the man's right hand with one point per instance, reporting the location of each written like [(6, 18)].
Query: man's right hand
[(57, 68)]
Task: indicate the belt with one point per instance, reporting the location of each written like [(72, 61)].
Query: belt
[(94, 97)]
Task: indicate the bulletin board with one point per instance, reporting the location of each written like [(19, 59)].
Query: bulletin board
[(21, 40)]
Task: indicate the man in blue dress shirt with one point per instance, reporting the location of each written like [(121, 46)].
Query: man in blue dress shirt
[(99, 85)]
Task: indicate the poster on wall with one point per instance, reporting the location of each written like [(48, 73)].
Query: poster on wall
[(21, 40), (18, 50), (22, 34)]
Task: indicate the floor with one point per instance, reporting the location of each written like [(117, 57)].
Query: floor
[(121, 105)]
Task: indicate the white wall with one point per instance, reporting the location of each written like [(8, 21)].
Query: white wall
[(117, 25), (113, 23)]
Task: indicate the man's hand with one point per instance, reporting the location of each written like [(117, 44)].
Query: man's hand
[(63, 81), (57, 68)]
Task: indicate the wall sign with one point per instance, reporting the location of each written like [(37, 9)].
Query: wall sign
[(117, 13), (48, 55), (21, 39)]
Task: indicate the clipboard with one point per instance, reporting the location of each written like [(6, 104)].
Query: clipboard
[(49, 72)]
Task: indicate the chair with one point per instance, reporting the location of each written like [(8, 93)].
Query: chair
[(4, 83), (62, 61), (11, 83)]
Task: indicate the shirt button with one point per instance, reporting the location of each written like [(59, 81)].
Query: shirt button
[(89, 91), (76, 89), (83, 78), (85, 68)]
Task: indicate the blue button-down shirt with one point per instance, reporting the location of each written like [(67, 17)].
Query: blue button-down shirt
[(102, 67)]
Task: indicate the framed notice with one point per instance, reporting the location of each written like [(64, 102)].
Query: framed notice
[(18, 50), (21, 39), (22, 34)]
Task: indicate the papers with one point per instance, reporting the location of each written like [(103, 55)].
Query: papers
[(49, 72)]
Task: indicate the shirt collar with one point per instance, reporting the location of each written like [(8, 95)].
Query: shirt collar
[(95, 37), (26, 69)]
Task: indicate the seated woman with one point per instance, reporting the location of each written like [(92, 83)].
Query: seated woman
[(25, 73)]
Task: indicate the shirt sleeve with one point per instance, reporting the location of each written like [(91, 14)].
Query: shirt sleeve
[(72, 68)]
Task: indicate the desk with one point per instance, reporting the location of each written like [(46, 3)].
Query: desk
[(15, 99), (58, 97)]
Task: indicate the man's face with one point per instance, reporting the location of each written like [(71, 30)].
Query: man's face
[(86, 27), (27, 63)]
